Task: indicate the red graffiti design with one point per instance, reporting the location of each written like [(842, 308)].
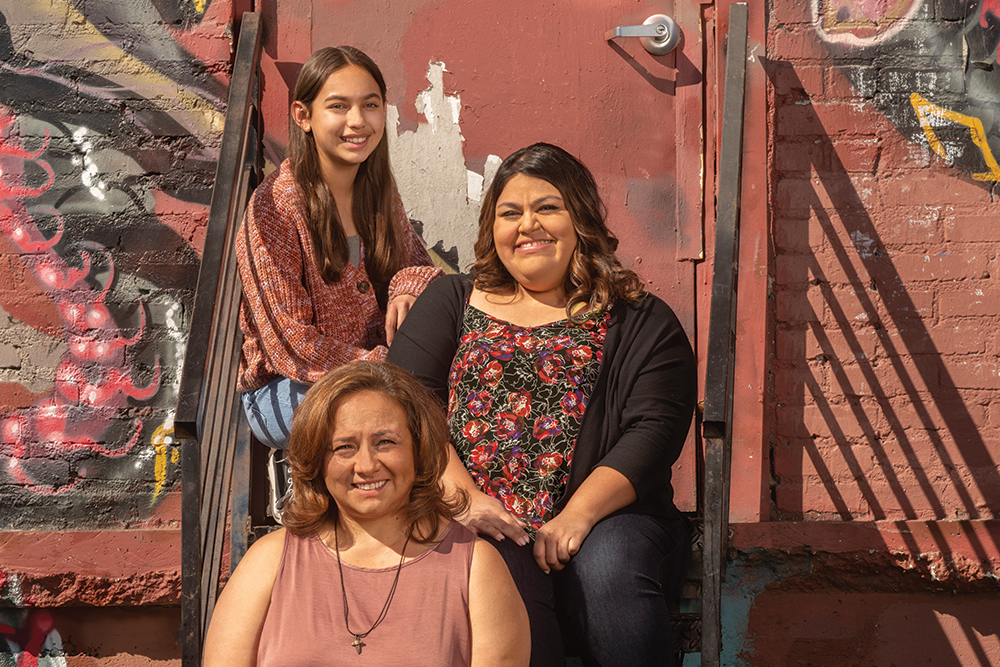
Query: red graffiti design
[(28, 632), (989, 7), (94, 378)]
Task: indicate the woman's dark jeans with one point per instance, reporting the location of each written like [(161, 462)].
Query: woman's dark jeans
[(609, 604)]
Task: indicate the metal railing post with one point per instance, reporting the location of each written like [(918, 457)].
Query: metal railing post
[(719, 376), (207, 412)]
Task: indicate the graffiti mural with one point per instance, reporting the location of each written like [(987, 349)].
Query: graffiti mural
[(862, 22), (29, 636), (110, 117), (931, 68), (95, 374)]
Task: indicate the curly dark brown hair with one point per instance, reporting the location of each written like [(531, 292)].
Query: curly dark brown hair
[(312, 434), (595, 278)]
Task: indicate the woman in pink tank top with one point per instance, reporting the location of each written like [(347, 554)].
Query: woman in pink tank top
[(370, 568)]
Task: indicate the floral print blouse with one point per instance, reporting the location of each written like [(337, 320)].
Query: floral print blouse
[(516, 400)]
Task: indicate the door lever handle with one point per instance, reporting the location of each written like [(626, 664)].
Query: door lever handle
[(659, 34)]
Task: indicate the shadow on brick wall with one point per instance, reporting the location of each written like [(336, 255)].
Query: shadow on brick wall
[(882, 425)]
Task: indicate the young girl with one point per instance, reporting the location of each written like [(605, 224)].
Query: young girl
[(329, 261)]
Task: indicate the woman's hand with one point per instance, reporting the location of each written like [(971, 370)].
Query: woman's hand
[(559, 539), (395, 313), (487, 516), (604, 491)]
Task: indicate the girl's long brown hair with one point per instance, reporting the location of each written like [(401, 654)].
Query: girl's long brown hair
[(596, 279), (373, 185), (312, 434)]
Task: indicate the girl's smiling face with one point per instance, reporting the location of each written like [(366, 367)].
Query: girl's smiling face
[(347, 118), (534, 234)]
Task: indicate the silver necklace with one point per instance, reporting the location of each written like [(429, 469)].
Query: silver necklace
[(358, 637)]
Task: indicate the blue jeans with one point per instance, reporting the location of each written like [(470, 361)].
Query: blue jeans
[(270, 408), (609, 604)]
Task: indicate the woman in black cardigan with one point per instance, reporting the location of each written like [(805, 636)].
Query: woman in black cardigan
[(570, 392)]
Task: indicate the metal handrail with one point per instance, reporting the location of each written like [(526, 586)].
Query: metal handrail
[(207, 415), (719, 375)]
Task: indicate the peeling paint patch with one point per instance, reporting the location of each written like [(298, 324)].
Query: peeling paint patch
[(430, 170), (864, 244)]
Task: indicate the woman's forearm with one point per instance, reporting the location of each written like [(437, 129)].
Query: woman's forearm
[(603, 492)]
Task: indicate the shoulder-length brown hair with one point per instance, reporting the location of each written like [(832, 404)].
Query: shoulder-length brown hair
[(312, 435), (373, 185), (595, 278)]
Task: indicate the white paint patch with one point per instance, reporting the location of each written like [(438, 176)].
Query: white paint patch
[(863, 244), (865, 83), (52, 651), (13, 594), (429, 166), (179, 337), (490, 170), (168, 428), (475, 186), (143, 456), (90, 175), (930, 216)]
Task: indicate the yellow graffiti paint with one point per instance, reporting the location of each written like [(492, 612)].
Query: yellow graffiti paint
[(163, 445), (927, 111), (199, 6)]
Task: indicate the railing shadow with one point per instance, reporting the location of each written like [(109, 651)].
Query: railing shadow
[(899, 421)]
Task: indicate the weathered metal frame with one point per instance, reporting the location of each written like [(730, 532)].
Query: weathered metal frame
[(207, 416), (719, 375)]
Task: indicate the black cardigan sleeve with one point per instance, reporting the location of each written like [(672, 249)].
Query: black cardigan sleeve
[(654, 393), (426, 343), (640, 409)]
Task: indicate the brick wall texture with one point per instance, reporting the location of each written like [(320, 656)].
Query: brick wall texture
[(110, 119), (883, 215)]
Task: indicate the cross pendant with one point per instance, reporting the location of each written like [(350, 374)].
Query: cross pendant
[(357, 643)]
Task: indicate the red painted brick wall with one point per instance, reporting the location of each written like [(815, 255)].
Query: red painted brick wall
[(885, 270)]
